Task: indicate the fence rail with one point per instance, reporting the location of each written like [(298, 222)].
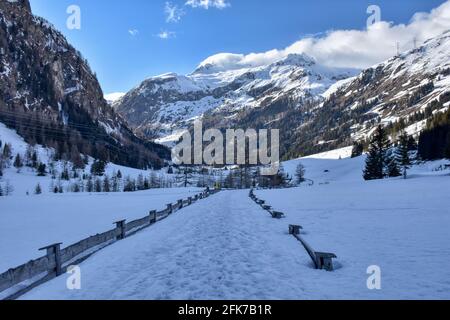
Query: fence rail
[(17, 281), (321, 260)]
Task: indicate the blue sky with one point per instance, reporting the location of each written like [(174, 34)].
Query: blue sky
[(122, 60)]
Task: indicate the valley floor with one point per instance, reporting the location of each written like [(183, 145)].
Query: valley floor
[(226, 247), (28, 223)]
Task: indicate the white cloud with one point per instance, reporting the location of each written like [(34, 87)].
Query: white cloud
[(133, 32), (166, 35), (173, 13), (352, 48), (206, 4)]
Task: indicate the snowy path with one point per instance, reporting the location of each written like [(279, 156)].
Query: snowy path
[(224, 247)]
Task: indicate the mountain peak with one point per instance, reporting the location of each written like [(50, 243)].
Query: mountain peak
[(25, 4), (297, 59)]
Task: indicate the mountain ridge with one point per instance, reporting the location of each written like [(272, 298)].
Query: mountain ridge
[(317, 108), (168, 103), (50, 95)]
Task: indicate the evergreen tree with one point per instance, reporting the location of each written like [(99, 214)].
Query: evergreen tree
[(281, 179), (119, 174), (106, 184), (98, 168), (358, 149), (41, 170), (76, 187), (412, 144), (393, 170), (89, 185), (18, 164), (65, 174), (376, 159), (7, 151), (38, 189), (300, 173), (115, 184), (129, 185), (34, 159), (402, 153)]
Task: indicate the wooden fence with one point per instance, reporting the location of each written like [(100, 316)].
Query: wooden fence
[(321, 260), (17, 281)]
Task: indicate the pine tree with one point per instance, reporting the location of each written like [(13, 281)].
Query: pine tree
[(393, 170), (89, 185), (106, 184), (7, 151), (402, 153), (358, 149), (129, 185), (376, 158), (98, 168), (115, 184), (76, 187), (412, 144), (65, 174), (300, 173), (41, 170), (34, 159), (18, 164), (38, 189)]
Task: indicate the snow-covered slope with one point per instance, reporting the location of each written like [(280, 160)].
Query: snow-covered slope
[(400, 93), (396, 89), (50, 95), (162, 105), (226, 247), (28, 223), (111, 98)]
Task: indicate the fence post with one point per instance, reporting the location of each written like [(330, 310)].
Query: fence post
[(121, 226), (170, 208), (56, 250), (152, 216), (189, 201), (180, 204), (294, 229), (196, 197)]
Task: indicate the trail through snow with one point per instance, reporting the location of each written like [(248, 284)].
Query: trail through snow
[(224, 247)]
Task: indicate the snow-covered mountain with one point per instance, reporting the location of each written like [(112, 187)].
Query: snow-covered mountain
[(49, 94), (396, 89), (316, 108), (400, 93), (162, 106)]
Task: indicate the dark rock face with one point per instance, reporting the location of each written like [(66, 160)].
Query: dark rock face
[(49, 94)]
